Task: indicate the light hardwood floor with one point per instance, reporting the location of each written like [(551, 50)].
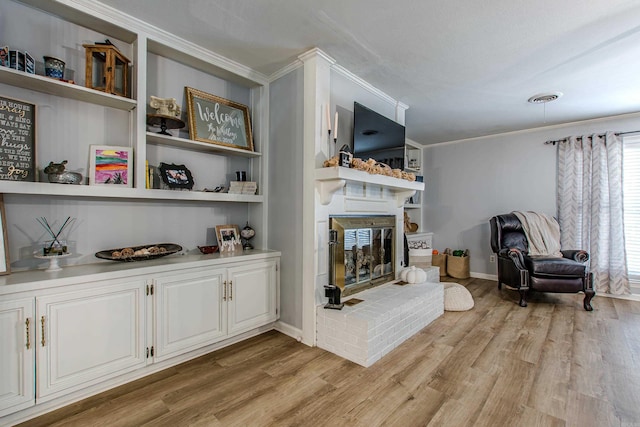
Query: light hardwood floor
[(550, 364)]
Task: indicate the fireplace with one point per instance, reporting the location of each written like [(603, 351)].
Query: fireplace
[(364, 253)]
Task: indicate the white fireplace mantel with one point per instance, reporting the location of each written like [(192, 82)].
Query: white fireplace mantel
[(332, 179)]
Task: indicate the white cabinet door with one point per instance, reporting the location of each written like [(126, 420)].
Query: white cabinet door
[(189, 311), (17, 357), (252, 293), (88, 336)]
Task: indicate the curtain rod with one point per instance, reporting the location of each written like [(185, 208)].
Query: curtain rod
[(564, 139)]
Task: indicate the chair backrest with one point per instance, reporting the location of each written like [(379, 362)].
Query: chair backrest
[(507, 232)]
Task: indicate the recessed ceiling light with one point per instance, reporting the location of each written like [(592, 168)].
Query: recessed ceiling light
[(542, 98)]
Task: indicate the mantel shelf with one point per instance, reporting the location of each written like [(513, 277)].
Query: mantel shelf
[(330, 180), (66, 90), (116, 192), (159, 139)]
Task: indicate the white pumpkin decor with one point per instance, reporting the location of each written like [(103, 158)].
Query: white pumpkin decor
[(403, 273), (416, 275)]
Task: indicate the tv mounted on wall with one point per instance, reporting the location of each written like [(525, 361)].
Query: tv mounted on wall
[(377, 137)]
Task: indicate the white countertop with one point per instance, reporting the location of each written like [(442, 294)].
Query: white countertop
[(25, 281)]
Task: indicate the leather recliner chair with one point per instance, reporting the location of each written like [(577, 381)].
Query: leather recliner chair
[(518, 270)]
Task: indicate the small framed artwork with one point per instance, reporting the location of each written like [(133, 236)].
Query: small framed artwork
[(4, 245), (218, 121), (4, 56), (176, 177), (110, 165), (29, 63), (228, 238)]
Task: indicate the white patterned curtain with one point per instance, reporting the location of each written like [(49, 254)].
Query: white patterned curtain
[(590, 206)]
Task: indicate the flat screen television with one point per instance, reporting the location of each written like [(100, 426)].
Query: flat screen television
[(377, 137)]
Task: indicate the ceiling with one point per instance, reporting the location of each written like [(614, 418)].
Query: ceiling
[(465, 68)]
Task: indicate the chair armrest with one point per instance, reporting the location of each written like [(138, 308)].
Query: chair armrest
[(576, 255), (514, 255)]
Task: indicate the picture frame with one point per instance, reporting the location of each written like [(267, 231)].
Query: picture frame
[(5, 266), (218, 121), (4, 56), (17, 140), (29, 63), (110, 165), (228, 238), (176, 177)]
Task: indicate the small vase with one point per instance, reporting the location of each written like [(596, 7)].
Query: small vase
[(53, 67)]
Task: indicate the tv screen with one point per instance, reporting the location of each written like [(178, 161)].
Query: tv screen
[(377, 137)]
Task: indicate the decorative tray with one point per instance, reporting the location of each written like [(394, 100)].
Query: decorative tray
[(139, 253)]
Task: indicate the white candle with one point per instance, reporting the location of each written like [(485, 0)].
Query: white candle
[(335, 127), (328, 118)]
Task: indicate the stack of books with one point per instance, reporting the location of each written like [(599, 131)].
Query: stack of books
[(242, 187)]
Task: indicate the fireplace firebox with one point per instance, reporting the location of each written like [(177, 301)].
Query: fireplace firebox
[(365, 251)]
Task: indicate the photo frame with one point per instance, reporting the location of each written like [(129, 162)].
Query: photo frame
[(5, 266), (218, 121), (4, 56), (228, 238), (176, 177), (29, 63), (110, 165)]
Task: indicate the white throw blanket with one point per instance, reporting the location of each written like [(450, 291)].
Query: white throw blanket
[(543, 233)]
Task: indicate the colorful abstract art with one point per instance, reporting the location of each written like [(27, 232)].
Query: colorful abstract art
[(111, 165)]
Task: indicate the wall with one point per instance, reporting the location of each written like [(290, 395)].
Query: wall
[(285, 192), (468, 182)]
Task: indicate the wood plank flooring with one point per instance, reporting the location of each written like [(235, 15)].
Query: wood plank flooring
[(550, 364)]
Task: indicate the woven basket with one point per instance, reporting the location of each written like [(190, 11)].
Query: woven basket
[(440, 260), (458, 266)]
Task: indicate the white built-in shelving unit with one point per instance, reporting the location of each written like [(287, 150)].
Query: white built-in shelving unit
[(162, 65), (413, 162)]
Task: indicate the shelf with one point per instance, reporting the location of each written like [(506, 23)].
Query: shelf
[(115, 192), (330, 180), (414, 171), (412, 206), (159, 139), (67, 90)]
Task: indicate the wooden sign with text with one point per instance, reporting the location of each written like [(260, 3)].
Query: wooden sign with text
[(218, 121), (17, 140)]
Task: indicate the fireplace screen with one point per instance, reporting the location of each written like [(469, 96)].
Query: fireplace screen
[(365, 252)]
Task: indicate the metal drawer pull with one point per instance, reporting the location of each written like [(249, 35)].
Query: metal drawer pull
[(230, 290), (42, 322), (224, 296), (28, 334)]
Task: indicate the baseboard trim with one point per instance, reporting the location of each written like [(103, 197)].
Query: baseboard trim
[(484, 276), (289, 330)]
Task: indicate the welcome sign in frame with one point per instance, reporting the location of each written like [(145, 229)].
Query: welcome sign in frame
[(218, 121)]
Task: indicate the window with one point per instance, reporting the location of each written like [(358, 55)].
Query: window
[(631, 188)]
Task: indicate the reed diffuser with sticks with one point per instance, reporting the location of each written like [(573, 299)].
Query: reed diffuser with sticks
[(56, 246)]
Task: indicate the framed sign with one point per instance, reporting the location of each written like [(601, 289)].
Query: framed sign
[(228, 238), (109, 165), (17, 140), (218, 121)]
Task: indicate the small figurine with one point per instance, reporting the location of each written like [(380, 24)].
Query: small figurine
[(56, 174), (165, 106), (345, 156), (55, 167)]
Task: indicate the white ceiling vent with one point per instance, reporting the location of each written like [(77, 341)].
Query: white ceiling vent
[(542, 98)]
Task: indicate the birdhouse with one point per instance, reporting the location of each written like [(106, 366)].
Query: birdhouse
[(107, 70)]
